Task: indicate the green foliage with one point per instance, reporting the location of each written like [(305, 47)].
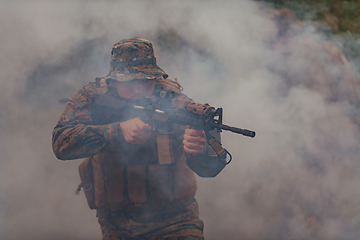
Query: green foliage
[(350, 45), (341, 16), (338, 18)]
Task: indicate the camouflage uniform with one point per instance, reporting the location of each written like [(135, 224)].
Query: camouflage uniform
[(134, 199), (178, 222)]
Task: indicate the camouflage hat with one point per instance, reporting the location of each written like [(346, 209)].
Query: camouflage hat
[(133, 59)]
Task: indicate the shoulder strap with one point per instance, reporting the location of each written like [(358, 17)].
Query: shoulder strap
[(169, 85)]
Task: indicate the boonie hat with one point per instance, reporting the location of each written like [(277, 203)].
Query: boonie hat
[(133, 59)]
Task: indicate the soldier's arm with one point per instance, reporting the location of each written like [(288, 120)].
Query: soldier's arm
[(74, 136), (206, 164), (200, 156)]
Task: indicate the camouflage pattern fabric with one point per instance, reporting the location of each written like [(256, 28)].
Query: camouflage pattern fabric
[(180, 222), (75, 136), (134, 59), (79, 135)]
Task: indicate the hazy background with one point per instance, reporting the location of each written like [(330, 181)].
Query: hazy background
[(297, 179)]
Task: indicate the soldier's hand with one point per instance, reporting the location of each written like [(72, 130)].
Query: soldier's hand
[(135, 131), (194, 141)]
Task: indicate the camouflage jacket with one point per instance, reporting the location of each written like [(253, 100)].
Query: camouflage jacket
[(119, 183)]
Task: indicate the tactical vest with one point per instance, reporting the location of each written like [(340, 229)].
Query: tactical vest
[(108, 184), (133, 176)]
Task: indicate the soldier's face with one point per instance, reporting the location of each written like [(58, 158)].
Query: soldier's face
[(134, 89)]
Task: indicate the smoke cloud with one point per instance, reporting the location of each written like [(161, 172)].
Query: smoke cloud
[(297, 179)]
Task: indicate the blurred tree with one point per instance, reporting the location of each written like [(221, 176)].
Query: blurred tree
[(339, 15), (338, 19)]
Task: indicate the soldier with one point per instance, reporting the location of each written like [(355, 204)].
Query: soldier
[(137, 178)]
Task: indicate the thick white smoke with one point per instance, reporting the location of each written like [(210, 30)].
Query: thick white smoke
[(297, 179)]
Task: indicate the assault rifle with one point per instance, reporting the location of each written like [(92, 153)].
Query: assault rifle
[(198, 116), (207, 119)]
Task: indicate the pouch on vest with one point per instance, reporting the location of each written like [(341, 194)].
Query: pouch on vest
[(114, 182), (87, 182), (136, 183), (161, 181)]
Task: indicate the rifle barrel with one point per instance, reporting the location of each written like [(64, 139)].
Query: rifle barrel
[(244, 132)]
